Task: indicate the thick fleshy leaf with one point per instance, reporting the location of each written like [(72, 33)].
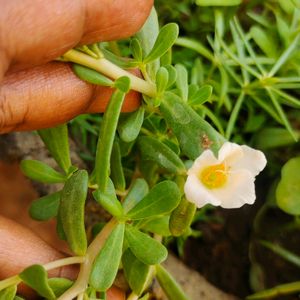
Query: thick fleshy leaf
[(200, 95), (154, 150), (165, 40), (172, 75), (147, 37), (130, 125), (193, 133), (109, 200), (107, 262), (36, 277), (136, 273), (182, 81), (117, 173), (106, 137), (162, 79), (145, 248), (182, 217), (71, 211), (41, 172), (91, 76), (9, 293), (218, 2), (57, 142), (159, 225), (123, 84), (45, 207), (137, 192), (59, 285), (161, 199), (169, 285), (136, 49), (288, 189)]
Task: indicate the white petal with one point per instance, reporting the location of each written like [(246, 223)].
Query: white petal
[(197, 193), (207, 158), (230, 153), (238, 191), (253, 160)]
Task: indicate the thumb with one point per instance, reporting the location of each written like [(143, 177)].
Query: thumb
[(49, 95)]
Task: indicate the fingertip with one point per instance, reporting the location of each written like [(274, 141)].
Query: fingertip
[(102, 96), (115, 293)]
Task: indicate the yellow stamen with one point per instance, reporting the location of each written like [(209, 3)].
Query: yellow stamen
[(214, 176)]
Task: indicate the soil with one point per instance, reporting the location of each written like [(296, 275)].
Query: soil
[(227, 249)]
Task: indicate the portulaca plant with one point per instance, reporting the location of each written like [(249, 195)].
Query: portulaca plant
[(141, 175)]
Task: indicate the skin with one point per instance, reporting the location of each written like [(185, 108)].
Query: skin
[(36, 92)]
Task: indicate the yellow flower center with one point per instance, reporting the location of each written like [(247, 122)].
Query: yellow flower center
[(214, 176)]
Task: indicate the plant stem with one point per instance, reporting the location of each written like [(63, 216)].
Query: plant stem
[(133, 296), (81, 283), (49, 266), (64, 262), (109, 69)]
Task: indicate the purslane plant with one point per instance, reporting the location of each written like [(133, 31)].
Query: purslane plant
[(139, 175)]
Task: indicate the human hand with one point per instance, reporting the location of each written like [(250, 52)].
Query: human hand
[(37, 93)]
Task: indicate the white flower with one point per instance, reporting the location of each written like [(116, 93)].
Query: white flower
[(226, 181)]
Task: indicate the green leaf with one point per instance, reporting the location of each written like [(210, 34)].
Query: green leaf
[(137, 274), (57, 142), (123, 84), (146, 249), (159, 225), (41, 172), (9, 293), (147, 37), (272, 137), (71, 211), (136, 49), (264, 41), (182, 217), (106, 264), (36, 277), (109, 200), (59, 285), (154, 150), (137, 192), (59, 227), (288, 189), (282, 252), (193, 133), (279, 290), (45, 207), (169, 284), (201, 95), (161, 199), (182, 81), (218, 2), (91, 76), (172, 75), (117, 173), (106, 138), (165, 40), (162, 78), (130, 125)]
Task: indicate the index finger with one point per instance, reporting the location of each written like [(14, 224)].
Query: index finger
[(35, 32)]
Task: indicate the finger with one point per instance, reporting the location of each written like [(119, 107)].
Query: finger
[(34, 32), (21, 248), (48, 95)]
